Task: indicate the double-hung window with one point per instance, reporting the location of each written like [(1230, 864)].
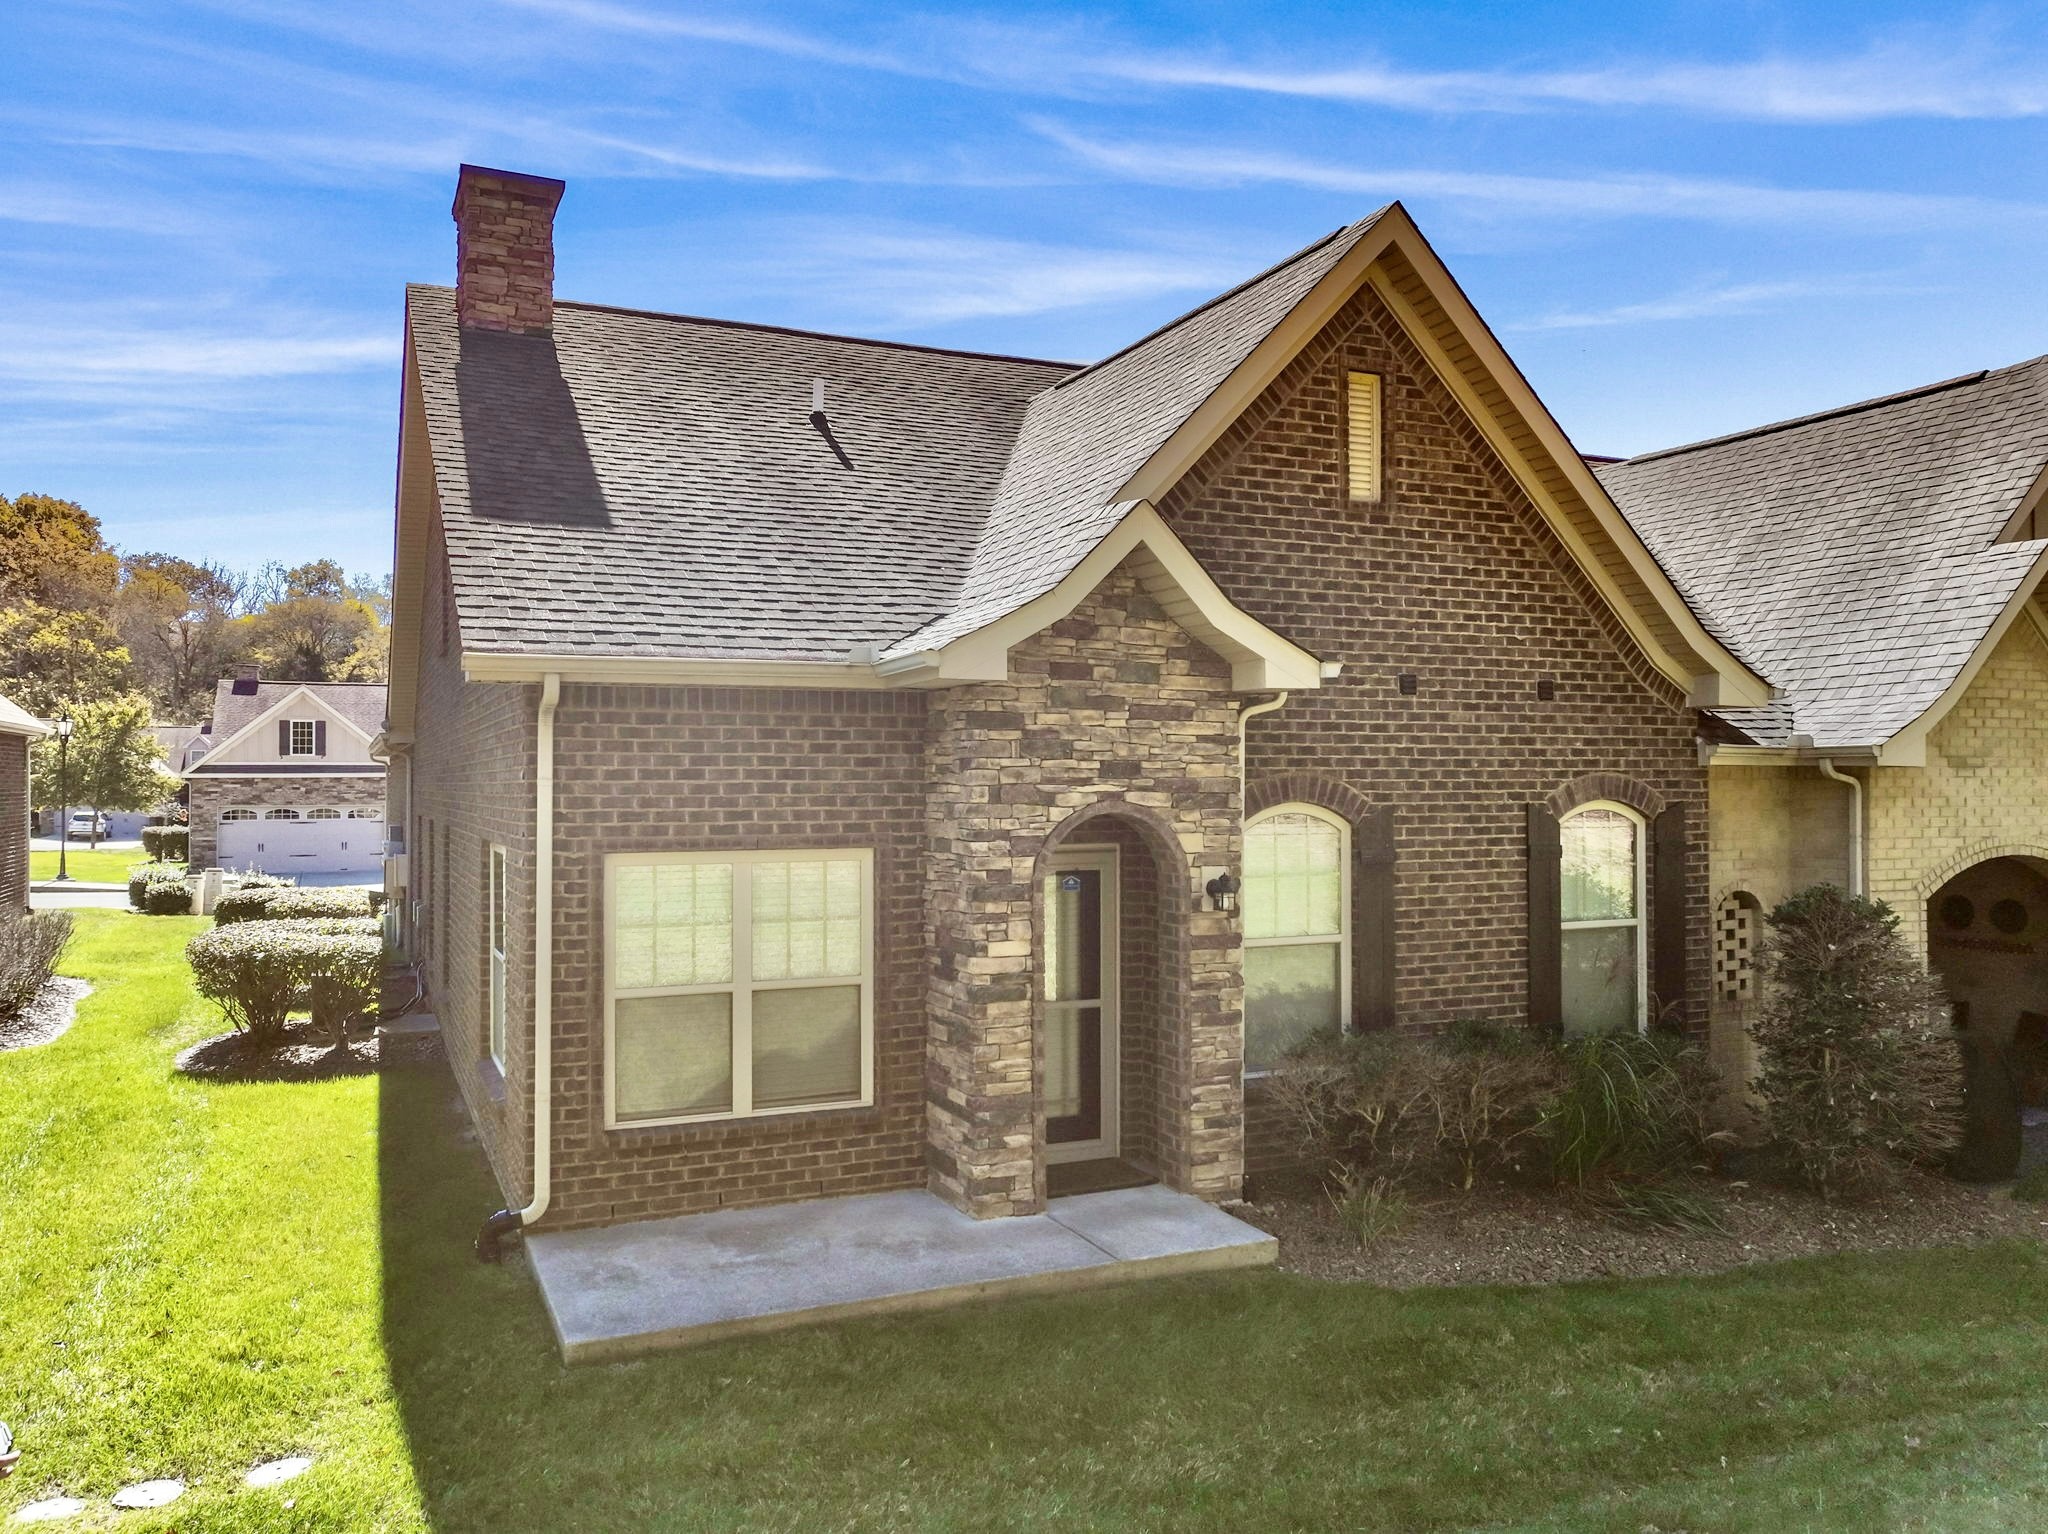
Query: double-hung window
[(304, 739), (1601, 848), (1297, 938), (738, 983), (498, 928)]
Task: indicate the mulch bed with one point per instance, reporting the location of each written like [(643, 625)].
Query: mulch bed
[(54, 1010), (300, 1055), (1506, 1235)]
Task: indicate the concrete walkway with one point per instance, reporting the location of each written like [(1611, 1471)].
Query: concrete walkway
[(652, 1284)]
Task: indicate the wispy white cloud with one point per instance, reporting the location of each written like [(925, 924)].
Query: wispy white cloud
[(1650, 195), (1919, 76), (898, 278), (52, 353), (701, 27), (1716, 300)]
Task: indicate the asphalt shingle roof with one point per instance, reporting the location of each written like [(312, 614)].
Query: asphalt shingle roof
[(237, 702), (641, 484), (1849, 557)]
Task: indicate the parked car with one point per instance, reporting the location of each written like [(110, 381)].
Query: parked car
[(86, 826)]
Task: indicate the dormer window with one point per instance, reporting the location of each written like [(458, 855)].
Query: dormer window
[(1362, 435), (302, 737)]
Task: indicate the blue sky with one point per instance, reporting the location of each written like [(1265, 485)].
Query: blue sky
[(1681, 219)]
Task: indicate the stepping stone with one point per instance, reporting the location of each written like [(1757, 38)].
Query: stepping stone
[(45, 1511), (149, 1494), (278, 1471)]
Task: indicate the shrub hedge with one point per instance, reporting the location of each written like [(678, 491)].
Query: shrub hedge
[(259, 972), (143, 875), (289, 903), (30, 946), (167, 898), (167, 844)]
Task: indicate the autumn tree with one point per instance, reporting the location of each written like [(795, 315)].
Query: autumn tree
[(52, 554), (314, 625), (182, 621), (111, 762), (53, 658)]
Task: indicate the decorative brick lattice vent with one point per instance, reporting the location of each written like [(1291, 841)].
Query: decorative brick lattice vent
[(1734, 947)]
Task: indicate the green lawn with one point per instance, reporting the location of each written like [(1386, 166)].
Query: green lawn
[(95, 867), (195, 1277)]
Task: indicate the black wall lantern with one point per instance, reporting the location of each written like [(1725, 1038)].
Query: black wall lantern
[(1222, 892)]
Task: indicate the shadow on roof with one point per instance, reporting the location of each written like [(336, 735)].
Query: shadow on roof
[(527, 458)]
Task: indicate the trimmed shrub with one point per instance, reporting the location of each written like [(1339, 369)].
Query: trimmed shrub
[(30, 946), (290, 903), (1631, 1105), (1861, 1073), (259, 972), (165, 898), (167, 844), (143, 875)]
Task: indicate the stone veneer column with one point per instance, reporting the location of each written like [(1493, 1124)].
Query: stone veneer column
[(1113, 705)]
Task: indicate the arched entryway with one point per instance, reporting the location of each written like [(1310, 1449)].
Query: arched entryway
[(1987, 940), (1110, 985)]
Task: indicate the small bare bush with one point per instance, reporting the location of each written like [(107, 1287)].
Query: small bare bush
[(30, 947)]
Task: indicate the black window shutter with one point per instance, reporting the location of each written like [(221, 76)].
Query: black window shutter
[(1546, 911), (1372, 963), (1667, 914), (284, 737), (319, 737)]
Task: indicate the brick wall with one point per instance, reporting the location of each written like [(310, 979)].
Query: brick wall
[(1981, 793), (645, 769), (1112, 710), (13, 824), (473, 780), (209, 795)]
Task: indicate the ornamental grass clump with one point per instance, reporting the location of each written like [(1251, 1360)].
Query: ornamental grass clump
[(260, 972), (1631, 1106), (30, 946), (1861, 1074)]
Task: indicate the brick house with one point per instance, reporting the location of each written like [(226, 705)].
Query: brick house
[(832, 766), (283, 779), (1882, 564), (19, 729)]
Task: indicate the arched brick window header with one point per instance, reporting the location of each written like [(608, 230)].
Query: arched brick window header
[(1332, 794), (1610, 786)]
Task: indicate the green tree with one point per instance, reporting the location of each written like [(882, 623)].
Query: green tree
[(111, 762), (53, 554), (53, 658), (314, 625), (182, 622)]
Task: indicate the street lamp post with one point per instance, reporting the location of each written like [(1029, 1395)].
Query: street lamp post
[(64, 814)]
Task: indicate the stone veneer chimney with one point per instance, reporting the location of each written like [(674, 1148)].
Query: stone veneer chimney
[(505, 250)]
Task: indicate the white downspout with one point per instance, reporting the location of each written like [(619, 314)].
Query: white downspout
[(1827, 770), (1244, 717), (505, 1221)]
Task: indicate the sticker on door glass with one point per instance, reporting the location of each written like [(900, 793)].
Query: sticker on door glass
[(1070, 884)]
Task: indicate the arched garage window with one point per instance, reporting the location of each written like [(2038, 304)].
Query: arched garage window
[(238, 814), (1297, 939), (280, 814), (1602, 908)]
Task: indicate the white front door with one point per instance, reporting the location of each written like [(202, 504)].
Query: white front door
[(1081, 1037)]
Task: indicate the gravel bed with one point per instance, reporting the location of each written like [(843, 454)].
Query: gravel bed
[(1533, 1236), (300, 1056), (53, 1010)]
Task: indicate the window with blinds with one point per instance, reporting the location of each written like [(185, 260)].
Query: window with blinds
[(739, 984), (1362, 434)]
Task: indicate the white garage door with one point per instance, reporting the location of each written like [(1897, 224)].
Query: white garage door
[(301, 841)]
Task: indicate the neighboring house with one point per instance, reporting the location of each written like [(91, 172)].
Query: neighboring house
[(285, 781), (18, 730), (829, 765), (1882, 564)]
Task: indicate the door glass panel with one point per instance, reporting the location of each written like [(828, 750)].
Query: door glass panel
[(1073, 935), (1073, 1074), (1290, 991), (1598, 852), (1599, 980)]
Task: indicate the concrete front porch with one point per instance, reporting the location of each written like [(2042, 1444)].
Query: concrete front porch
[(627, 1289)]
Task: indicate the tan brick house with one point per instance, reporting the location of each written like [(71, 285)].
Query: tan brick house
[(1882, 564), (831, 766), (19, 729)]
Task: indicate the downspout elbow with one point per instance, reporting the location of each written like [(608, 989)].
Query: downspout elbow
[(1830, 771)]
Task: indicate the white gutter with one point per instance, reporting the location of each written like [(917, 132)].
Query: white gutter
[(1827, 770)]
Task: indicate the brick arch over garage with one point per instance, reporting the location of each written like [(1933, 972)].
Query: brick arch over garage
[(1614, 787)]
